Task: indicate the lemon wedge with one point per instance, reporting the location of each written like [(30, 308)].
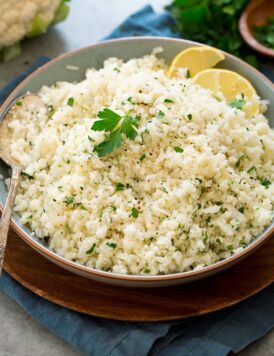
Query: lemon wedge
[(195, 59), (231, 84)]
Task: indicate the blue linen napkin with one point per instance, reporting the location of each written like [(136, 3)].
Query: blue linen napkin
[(216, 335)]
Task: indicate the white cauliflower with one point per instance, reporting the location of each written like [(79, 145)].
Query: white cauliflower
[(26, 18)]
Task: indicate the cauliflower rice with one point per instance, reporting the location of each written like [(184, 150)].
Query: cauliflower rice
[(193, 187)]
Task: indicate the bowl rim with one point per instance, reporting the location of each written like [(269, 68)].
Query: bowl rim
[(84, 270)]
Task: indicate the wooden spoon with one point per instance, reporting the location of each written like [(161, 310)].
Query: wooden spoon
[(256, 13)]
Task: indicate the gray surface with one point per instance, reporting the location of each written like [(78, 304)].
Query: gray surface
[(90, 20)]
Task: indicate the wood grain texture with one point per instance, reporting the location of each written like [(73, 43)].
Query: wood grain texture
[(139, 304)]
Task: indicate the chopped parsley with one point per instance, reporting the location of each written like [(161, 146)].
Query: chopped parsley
[(91, 139), (135, 213), (113, 207), (117, 70), (230, 247), (70, 101), (241, 210), (202, 190), (24, 174), (142, 157), (188, 74), (237, 103), (51, 111), (265, 182), (19, 103), (160, 115), (217, 98), (189, 116), (164, 190), (111, 245), (117, 125), (238, 163), (119, 187), (205, 238), (168, 101), (69, 200), (67, 161), (178, 149), (91, 250), (251, 169), (129, 99), (82, 207), (146, 270), (29, 217)]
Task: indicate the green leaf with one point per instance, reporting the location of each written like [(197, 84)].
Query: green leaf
[(119, 187), (142, 157), (70, 101), (160, 115), (237, 103), (27, 175), (241, 210), (168, 101), (108, 122), (178, 149), (61, 13), (265, 182), (69, 200), (135, 213), (107, 146), (111, 244), (39, 26), (91, 250), (128, 126)]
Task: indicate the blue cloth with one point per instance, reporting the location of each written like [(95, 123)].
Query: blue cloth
[(216, 335)]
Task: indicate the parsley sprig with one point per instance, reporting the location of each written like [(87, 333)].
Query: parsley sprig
[(117, 125)]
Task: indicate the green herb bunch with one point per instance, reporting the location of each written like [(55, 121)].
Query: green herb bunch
[(265, 34), (213, 22)]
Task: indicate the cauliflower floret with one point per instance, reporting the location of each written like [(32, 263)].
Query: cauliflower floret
[(21, 18)]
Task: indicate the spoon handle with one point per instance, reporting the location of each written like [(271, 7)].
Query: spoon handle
[(6, 216)]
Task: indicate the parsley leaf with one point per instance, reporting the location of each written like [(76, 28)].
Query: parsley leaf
[(252, 168), (237, 104), (91, 250), (108, 122), (69, 200), (135, 213), (168, 101), (111, 244), (70, 101), (117, 125), (142, 157), (119, 187), (178, 149), (27, 175), (265, 182), (160, 115)]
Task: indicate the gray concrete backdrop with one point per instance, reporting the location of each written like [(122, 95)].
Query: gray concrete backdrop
[(90, 20)]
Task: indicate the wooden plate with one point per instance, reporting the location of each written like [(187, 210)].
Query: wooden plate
[(143, 304)]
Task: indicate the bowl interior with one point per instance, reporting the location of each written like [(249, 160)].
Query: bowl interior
[(126, 49)]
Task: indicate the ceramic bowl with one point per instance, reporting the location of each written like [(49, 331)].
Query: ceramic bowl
[(93, 56)]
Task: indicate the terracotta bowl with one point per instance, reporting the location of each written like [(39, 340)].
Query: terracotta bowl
[(93, 56), (256, 14)]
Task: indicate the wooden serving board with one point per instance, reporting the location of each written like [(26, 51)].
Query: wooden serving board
[(139, 304)]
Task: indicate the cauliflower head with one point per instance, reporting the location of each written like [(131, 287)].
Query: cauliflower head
[(27, 18)]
